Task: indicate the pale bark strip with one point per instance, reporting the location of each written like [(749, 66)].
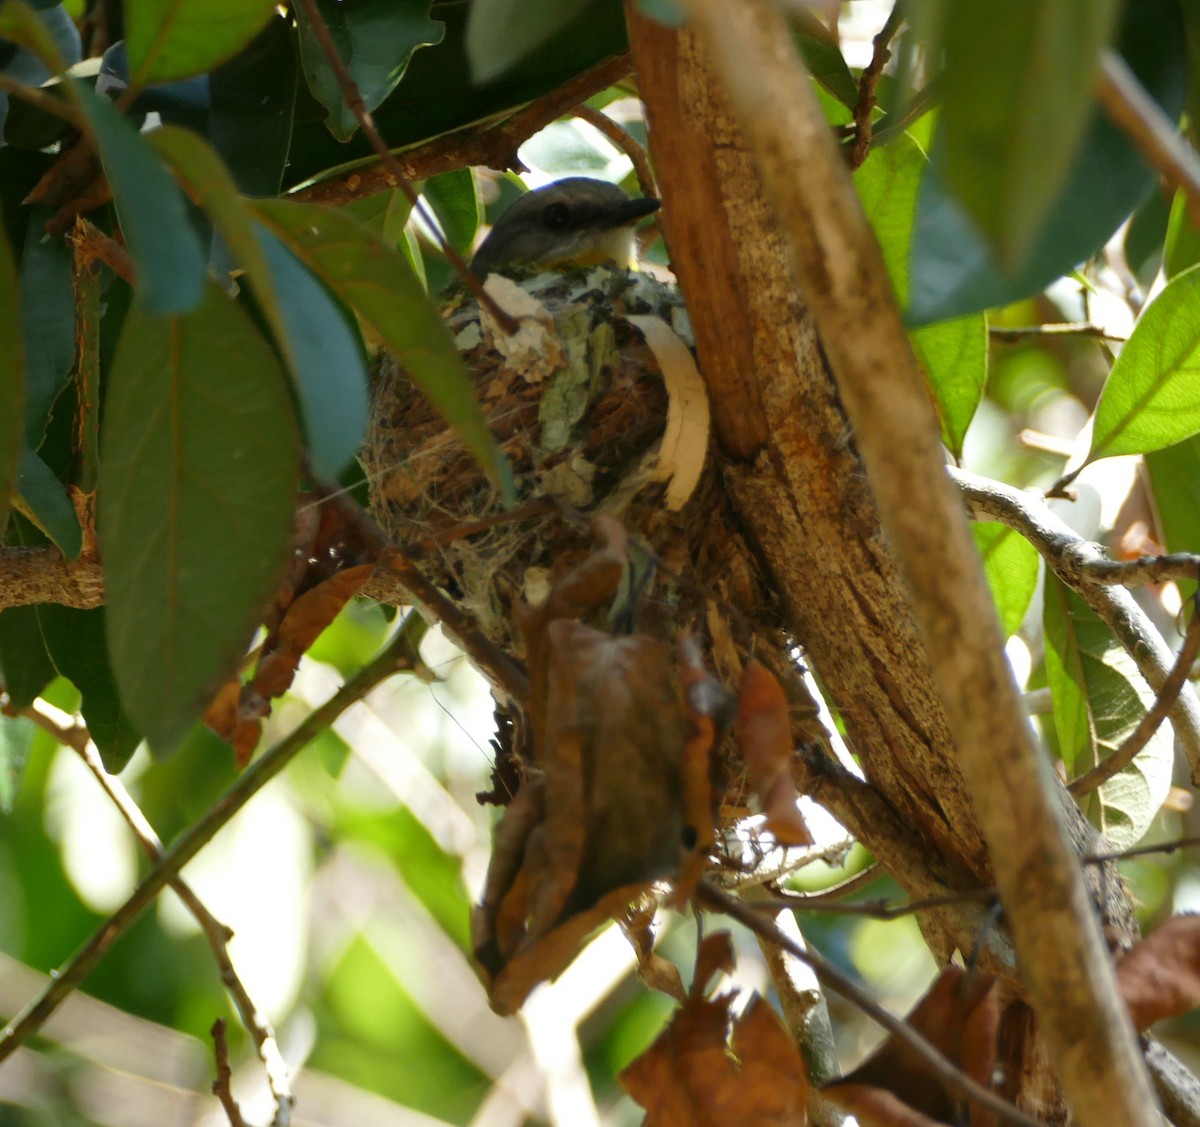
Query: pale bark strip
[(1062, 955)]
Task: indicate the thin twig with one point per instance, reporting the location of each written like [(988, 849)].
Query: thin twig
[(39, 99), (1137, 115), (74, 735), (356, 105), (873, 909), (1054, 329), (865, 106), (1141, 851), (493, 144), (1082, 566), (94, 243), (396, 657), (834, 979), (1155, 715), (626, 142), (221, 1086)]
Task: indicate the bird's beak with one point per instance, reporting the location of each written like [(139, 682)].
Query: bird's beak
[(630, 211)]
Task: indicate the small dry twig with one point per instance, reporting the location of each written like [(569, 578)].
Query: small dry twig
[(625, 141), (1054, 329), (865, 106), (221, 1086)]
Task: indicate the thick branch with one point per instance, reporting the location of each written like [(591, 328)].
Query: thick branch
[(837, 261)]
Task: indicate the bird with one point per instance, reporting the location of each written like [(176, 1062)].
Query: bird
[(578, 221)]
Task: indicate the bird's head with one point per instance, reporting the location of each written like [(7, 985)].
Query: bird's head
[(579, 222)]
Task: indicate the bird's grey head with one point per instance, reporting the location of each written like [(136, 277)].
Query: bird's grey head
[(579, 220)]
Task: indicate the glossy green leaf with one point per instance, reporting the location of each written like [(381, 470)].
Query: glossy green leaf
[(167, 39), (16, 738), (1175, 481), (1099, 697), (375, 39), (823, 56), (954, 353), (253, 108), (47, 321), (320, 348), (1182, 247), (1151, 398), (153, 219), (954, 270), (379, 285), (44, 500), (24, 662), (12, 378), (1017, 96), (385, 215), (198, 477), (329, 365), (502, 32), (455, 203), (76, 643), (1010, 563)]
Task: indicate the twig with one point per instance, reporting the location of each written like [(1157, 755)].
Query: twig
[(873, 909), (626, 142), (221, 1085), (1136, 114), (1141, 851), (1081, 565), (493, 144), (395, 657), (865, 106), (75, 736), (1054, 329), (834, 979), (1176, 1085), (1155, 715), (355, 104), (94, 243), (39, 99), (42, 575)]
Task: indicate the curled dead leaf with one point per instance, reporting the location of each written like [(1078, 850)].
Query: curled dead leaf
[(764, 733), (1160, 977)]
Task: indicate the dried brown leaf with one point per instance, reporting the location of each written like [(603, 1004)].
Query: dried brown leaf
[(764, 733), (696, 1075), (959, 1015), (1160, 977)]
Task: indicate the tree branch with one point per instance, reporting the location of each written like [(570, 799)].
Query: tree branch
[(396, 657), (1081, 565), (1063, 961)]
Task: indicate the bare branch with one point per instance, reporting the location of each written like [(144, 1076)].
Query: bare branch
[(625, 141), (44, 575), (221, 1085), (865, 106), (1082, 566), (1054, 329)]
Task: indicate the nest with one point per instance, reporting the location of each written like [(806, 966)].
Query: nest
[(580, 416)]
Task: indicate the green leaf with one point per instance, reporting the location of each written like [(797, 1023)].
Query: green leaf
[(329, 368), (167, 39), (1010, 563), (823, 56), (379, 285), (1017, 96), (321, 350), (154, 221), (502, 32), (198, 478), (1151, 398), (1182, 246), (47, 321), (253, 108), (385, 215), (954, 270), (1175, 481), (954, 353), (375, 39), (44, 500), (12, 379), (24, 662), (1099, 698), (16, 738), (23, 25), (455, 203), (75, 642)]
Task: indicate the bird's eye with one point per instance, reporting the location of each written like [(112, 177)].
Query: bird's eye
[(556, 216)]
